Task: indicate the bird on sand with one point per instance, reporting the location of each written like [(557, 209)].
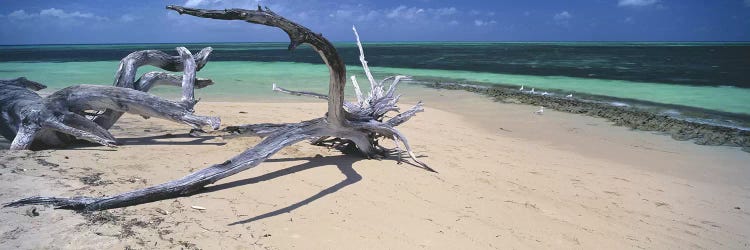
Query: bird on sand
[(540, 111)]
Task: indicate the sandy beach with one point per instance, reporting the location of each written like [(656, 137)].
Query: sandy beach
[(507, 179)]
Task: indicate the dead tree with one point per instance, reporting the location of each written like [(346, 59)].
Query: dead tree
[(26, 118), (360, 123)]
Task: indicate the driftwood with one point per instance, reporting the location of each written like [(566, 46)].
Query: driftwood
[(129, 65), (27, 119), (358, 124)]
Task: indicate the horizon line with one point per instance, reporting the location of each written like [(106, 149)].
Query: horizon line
[(394, 42)]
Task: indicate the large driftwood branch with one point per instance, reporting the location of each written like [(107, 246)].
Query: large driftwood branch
[(360, 124), (126, 72), (298, 35), (23, 82), (191, 183), (52, 120), (28, 119)]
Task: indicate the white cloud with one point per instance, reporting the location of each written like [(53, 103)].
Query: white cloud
[(565, 15), (480, 23), (347, 14), (58, 13), (315, 12), (563, 18), (54, 13), (629, 20), (20, 15), (638, 3), (451, 11), (747, 3), (414, 13), (404, 12)]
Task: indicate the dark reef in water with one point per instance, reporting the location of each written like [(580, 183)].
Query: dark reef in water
[(682, 130)]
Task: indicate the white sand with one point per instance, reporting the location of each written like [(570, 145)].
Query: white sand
[(555, 181)]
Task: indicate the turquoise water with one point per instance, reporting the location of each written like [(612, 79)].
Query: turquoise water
[(238, 80), (720, 98)]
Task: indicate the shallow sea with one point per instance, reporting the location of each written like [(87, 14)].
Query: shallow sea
[(707, 82)]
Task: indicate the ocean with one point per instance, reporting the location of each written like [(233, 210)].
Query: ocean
[(704, 82)]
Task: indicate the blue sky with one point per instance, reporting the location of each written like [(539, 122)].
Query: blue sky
[(139, 21)]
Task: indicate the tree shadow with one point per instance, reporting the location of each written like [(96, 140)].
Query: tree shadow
[(137, 141), (162, 140), (343, 162)]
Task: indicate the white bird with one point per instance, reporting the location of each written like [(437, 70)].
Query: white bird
[(540, 111), (569, 96), (521, 89)]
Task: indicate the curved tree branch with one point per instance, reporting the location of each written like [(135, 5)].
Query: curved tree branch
[(298, 34)]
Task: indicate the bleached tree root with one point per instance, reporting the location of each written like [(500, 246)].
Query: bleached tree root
[(360, 123), (58, 119)]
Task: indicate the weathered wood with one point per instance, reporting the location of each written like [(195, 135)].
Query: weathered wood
[(28, 119), (155, 78), (126, 72), (23, 82), (299, 93), (361, 123)]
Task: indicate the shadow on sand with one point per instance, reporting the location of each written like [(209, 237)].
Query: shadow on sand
[(166, 140), (343, 162), (137, 141)]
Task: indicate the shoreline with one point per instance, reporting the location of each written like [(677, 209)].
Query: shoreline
[(678, 129)]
